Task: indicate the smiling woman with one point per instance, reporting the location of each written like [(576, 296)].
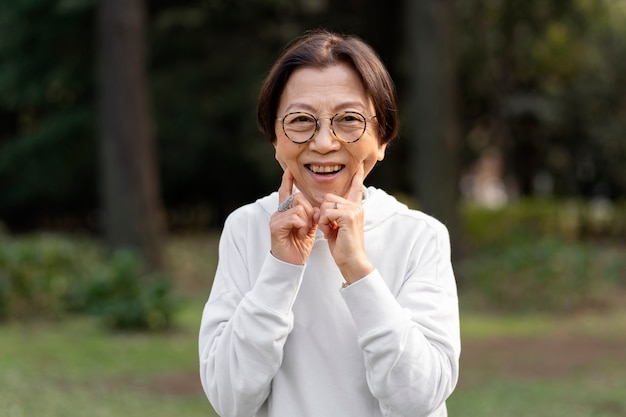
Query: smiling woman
[(337, 142), (330, 297)]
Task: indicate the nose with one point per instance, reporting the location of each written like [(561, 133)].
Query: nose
[(324, 139)]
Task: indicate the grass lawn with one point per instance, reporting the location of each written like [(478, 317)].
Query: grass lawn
[(511, 366), (538, 366), (75, 368)]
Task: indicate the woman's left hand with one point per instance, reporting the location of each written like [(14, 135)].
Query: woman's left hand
[(341, 221)]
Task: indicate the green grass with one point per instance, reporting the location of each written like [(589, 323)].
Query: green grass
[(76, 368), (542, 365), (583, 396), (512, 365)]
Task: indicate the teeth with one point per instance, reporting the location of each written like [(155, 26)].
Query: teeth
[(318, 169)]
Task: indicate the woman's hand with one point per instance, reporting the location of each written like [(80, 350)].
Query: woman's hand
[(292, 230), (341, 221)]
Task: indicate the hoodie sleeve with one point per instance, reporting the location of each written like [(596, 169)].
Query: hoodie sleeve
[(410, 340), (244, 326)]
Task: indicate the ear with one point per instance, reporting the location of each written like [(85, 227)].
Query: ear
[(277, 157), (381, 151)]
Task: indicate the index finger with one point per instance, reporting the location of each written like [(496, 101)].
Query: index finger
[(286, 186), (356, 187)]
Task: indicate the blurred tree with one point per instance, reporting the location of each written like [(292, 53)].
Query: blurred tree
[(543, 81), (132, 209), (207, 62), (432, 111), (47, 151)]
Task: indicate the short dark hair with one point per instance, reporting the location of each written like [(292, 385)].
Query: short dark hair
[(322, 48)]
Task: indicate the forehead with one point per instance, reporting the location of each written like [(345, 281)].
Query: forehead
[(329, 88)]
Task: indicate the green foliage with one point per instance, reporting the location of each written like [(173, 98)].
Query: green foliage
[(504, 227), (546, 274), (544, 255), (38, 275), (530, 218), (125, 298), (39, 172), (543, 79), (47, 118), (539, 79), (49, 277)]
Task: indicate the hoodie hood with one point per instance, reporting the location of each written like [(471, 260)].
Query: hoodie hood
[(378, 206)]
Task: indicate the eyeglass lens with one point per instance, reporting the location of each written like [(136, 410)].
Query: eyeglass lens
[(301, 127)]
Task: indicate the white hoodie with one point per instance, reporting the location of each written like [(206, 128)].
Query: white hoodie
[(283, 340)]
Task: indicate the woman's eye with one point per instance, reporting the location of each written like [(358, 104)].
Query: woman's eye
[(349, 118), (301, 119)]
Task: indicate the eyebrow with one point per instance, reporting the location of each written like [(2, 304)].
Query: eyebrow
[(343, 105)]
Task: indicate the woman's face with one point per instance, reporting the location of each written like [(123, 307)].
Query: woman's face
[(325, 164)]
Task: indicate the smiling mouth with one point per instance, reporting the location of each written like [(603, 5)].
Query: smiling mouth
[(324, 169)]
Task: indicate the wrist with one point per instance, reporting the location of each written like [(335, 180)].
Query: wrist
[(355, 272)]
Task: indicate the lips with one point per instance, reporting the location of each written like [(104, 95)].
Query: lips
[(324, 169)]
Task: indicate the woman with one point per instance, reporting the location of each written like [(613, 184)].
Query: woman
[(330, 298)]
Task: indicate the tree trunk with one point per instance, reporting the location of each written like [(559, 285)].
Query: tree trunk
[(432, 111), (131, 206)]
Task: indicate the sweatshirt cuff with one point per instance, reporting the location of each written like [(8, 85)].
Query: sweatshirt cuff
[(278, 284), (371, 303)]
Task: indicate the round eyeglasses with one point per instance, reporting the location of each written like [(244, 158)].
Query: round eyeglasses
[(301, 127)]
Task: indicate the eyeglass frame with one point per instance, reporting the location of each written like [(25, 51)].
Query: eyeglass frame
[(317, 125)]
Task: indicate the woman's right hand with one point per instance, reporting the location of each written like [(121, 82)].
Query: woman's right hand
[(292, 230)]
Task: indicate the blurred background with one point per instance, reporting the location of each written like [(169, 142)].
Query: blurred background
[(128, 133)]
